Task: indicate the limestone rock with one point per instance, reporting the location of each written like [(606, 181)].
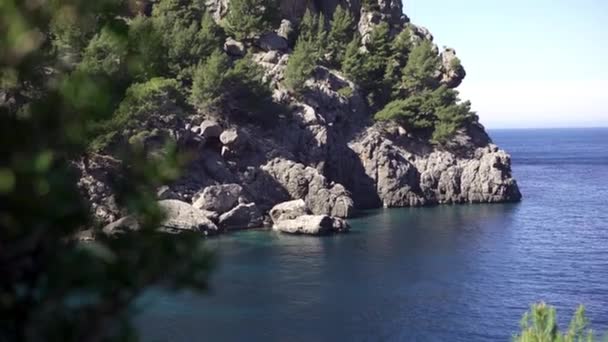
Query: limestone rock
[(218, 198), (286, 29), (271, 41), (181, 216), (210, 129), (289, 210), (312, 225), (234, 47), (233, 139), (307, 183), (451, 69), (242, 216)]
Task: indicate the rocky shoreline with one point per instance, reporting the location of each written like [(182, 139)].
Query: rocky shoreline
[(321, 160)]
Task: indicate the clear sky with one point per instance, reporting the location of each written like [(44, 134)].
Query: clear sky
[(530, 63)]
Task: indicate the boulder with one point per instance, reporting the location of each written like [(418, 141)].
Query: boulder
[(302, 182), (312, 225), (233, 138), (181, 216), (289, 210), (286, 29), (452, 71), (218, 198), (123, 224), (234, 48), (210, 129), (242, 216), (270, 41)]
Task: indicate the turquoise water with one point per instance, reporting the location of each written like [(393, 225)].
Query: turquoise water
[(448, 273)]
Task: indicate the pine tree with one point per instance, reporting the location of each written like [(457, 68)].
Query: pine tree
[(352, 64), (248, 18), (301, 64), (148, 56), (340, 34), (308, 26), (421, 68), (189, 34), (209, 80)]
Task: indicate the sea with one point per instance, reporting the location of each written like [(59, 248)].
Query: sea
[(444, 273)]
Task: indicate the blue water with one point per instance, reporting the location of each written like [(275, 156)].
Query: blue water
[(448, 273)]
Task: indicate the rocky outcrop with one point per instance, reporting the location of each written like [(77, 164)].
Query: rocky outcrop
[(242, 216), (219, 198), (289, 210), (312, 225), (408, 172), (451, 69), (322, 197), (179, 217), (323, 156)]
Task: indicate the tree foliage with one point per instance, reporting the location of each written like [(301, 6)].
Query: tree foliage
[(421, 69), (301, 64), (249, 18), (188, 32), (540, 325), (53, 287), (340, 34), (238, 88)]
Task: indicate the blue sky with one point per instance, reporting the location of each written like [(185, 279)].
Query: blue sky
[(530, 63)]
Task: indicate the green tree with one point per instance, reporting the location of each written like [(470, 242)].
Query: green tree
[(188, 32), (301, 64), (421, 70), (107, 55), (249, 18), (340, 34), (53, 287), (400, 50), (239, 90), (148, 56), (209, 80), (540, 325)]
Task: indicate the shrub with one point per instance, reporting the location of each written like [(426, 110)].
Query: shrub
[(438, 111), (248, 18), (140, 99)]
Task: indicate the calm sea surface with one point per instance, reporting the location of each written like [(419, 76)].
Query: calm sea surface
[(448, 273)]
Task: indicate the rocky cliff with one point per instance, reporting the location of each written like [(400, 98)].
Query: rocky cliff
[(326, 151)]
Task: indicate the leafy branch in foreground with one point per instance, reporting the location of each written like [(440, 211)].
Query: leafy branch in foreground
[(52, 286), (540, 325)]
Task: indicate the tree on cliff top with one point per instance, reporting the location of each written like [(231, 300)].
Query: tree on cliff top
[(340, 34), (248, 18), (53, 287)]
